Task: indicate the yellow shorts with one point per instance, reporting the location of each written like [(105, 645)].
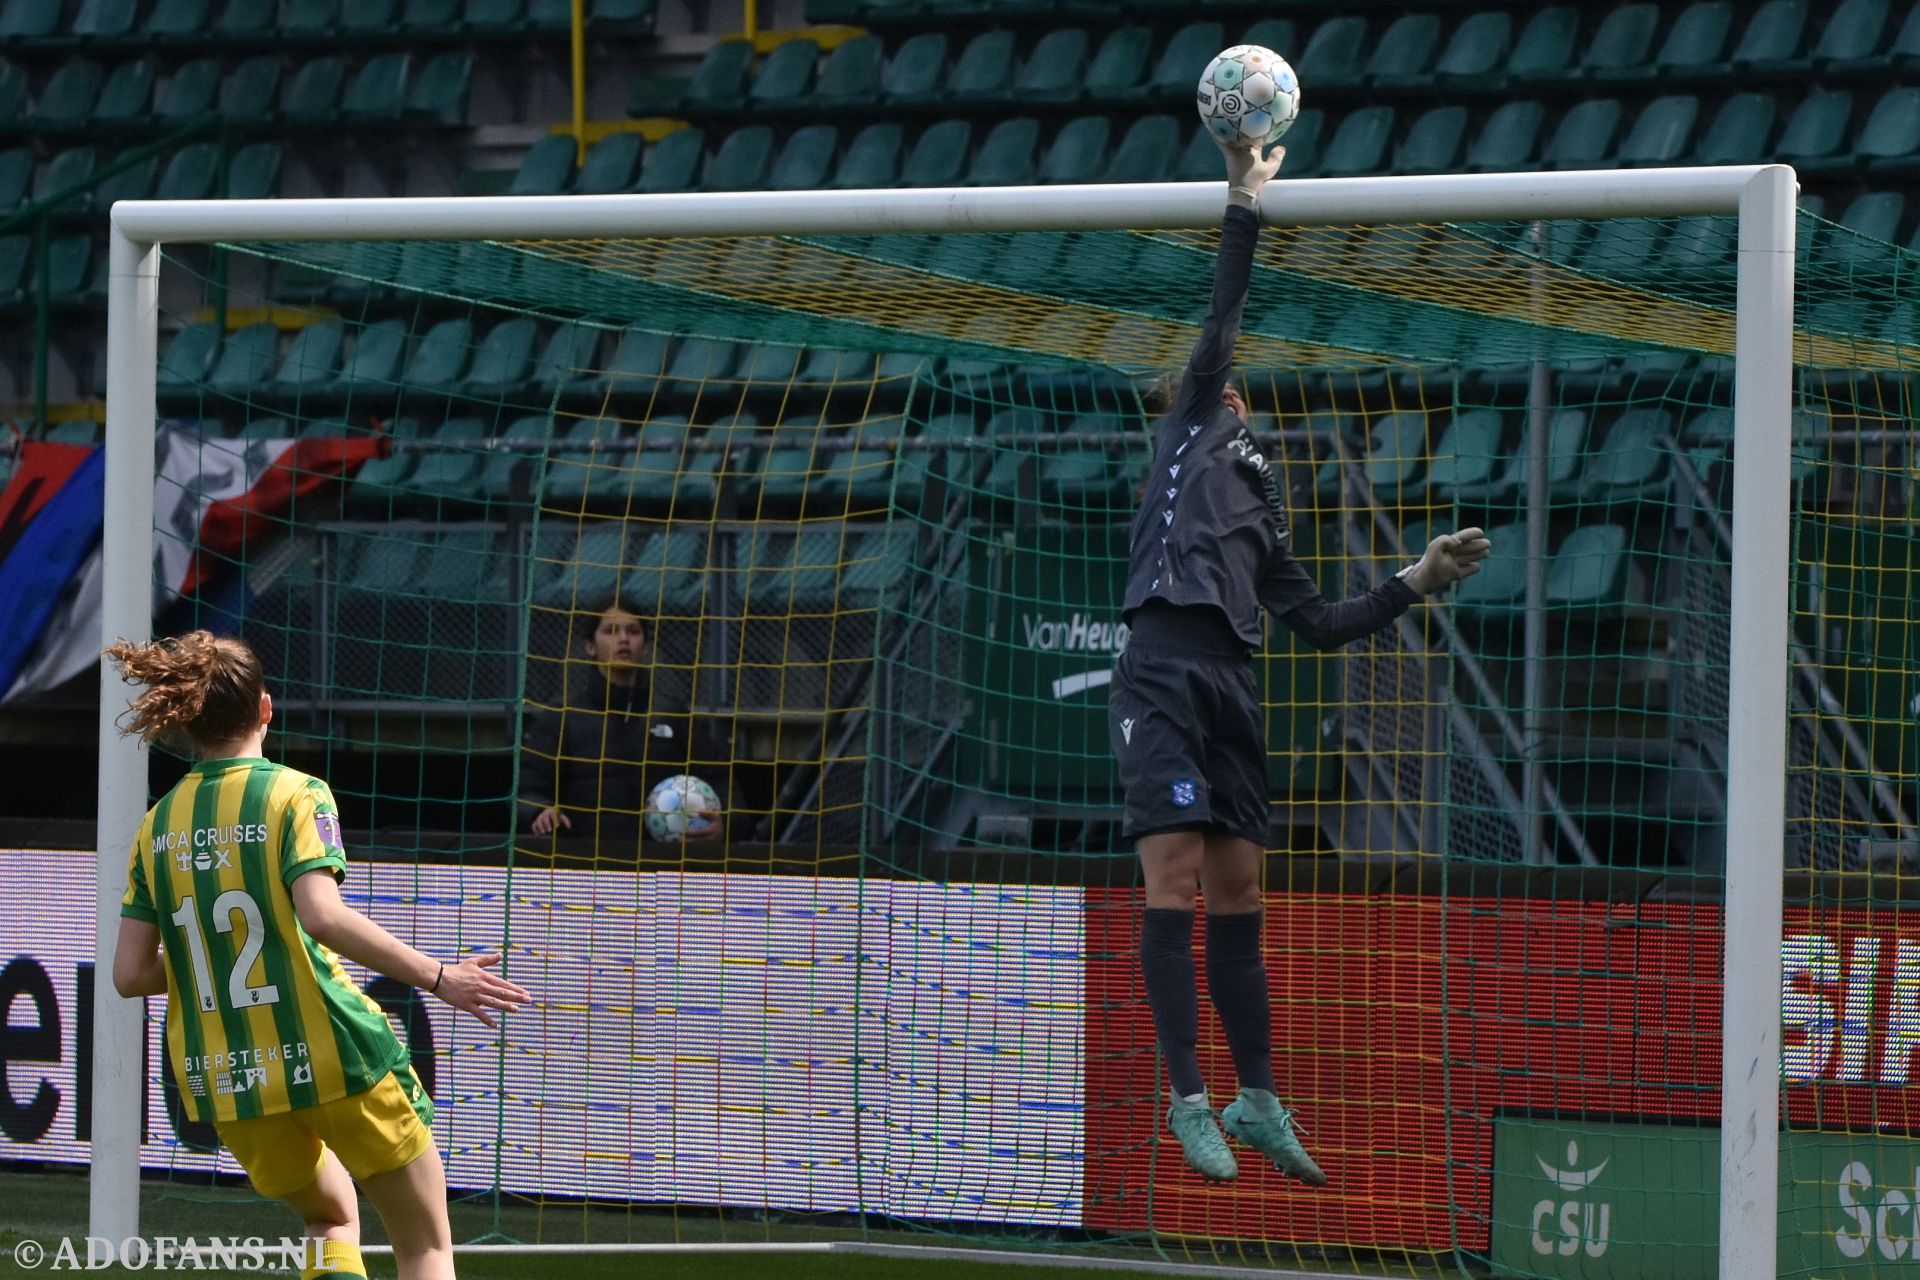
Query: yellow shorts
[(385, 1128)]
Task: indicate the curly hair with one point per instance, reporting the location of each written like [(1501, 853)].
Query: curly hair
[(200, 688)]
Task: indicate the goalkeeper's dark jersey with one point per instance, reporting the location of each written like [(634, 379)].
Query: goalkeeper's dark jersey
[(1212, 529)]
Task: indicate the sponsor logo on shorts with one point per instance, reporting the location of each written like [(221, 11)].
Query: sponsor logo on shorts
[(1185, 792)]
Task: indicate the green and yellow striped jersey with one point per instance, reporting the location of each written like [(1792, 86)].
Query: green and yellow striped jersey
[(262, 1019)]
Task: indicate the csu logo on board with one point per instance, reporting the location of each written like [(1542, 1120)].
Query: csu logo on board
[(1576, 1220), (1849, 1007)]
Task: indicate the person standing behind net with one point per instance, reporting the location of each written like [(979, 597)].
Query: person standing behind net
[(1209, 550), (233, 912)]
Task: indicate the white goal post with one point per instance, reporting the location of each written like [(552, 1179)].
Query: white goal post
[(1763, 198)]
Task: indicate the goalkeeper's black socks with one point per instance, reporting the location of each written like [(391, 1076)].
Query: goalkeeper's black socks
[(1166, 962), (1237, 980)]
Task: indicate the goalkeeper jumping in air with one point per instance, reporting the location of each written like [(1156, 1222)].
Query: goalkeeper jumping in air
[(1209, 551)]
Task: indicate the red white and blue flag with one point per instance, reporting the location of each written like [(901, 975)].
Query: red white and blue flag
[(212, 500)]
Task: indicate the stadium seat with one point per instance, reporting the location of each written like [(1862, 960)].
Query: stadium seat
[(127, 95), (720, 81), (1584, 137), (1396, 456), (917, 71), (1903, 54), (1173, 75), (503, 360), (1433, 142), (1405, 51), (1119, 65), (1624, 247), (24, 20), (1661, 133), (1633, 462), (430, 16), (246, 361), (805, 161), (1589, 569), (135, 182), (1816, 132), (1333, 53), (13, 90), (1773, 38), (308, 19), (1477, 51), (496, 16), (1303, 145), (1055, 70), (850, 75), (440, 357), (1468, 454), (1544, 50), (984, 70), (1890, 139), (379, 90), (872, 159), (67, 100), (1740, 130), (580, 454), (742, 162), (1507, 138), (373, 367), (248, 92), (1080, 152), (312, 361), (1144, 149), (786, 77), (703, 368), (568, 364), (1501, 584), (938, 155), (254, 172), (1621, 44), (1876, 216), (245, 21), (69, 269), (1851, 37), (104, 20), (439, 93), (1005, 158), (1359, 145), (192, 173), (1566, 444), (364, 19), (16, 176), (1696, 42), (69, 170), (16, 266), (782, 479), (449, 475), (638, 365), (673, 163), (546, 168), (611, 165), (313, 94)]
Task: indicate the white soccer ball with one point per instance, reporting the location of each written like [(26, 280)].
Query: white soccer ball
[(1248, 96), (681, 805)]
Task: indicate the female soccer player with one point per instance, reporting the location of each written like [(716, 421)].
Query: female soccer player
[(1209, 551), (297, 1069)]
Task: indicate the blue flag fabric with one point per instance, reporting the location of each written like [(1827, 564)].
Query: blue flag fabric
[(42, 564)]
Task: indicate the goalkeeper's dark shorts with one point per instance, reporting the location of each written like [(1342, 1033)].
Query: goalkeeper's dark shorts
[(1184, 719)]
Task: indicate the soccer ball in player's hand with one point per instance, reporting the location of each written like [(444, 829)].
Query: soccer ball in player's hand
[(680, 806), (1248, 96)]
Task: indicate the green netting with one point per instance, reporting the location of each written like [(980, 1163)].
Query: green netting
[(873, 493)]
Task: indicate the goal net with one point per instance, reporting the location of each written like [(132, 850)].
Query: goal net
[(867, 496)]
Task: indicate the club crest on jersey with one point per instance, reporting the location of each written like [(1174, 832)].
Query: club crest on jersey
[(1185, 792)]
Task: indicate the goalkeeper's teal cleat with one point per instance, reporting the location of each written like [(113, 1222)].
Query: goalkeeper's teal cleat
[(1257, 1119), (1193, 1123)]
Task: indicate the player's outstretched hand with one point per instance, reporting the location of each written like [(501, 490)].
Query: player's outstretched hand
[(1449, 558), (468, 987), (1248, 170)]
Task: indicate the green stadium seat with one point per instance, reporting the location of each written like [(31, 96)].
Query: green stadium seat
[(67, 100), (1696, 42), (379, 90), (440, 357), (611, 165), (1624, 247), (1477, 51), (1303, 145), (1359, 145), (1877, 216), (568, 364), (16, 176), (667, 472), (25, 20), (439, 93), (1507, 139), (313, 95), (673, 163), (852, 480), (192, 173), (805, 161), (1740, 130), (1661, 133), (1816, 132), (1890, 139), (307, 19), (364, 19), (246, 361), (742, 162), (1544, 50), (1584, 137), (1199, 160), (1698, 248), (938, 156), (984, 70), (1851, 37), (176, 19), (104, 20), (720, 81), (1334, 53), (1055, 70), (69, 269), (782, 480), (825, 370), (1501, 585), (1773, 38), (698, 365), (13, 90), (1396, 456), (503, 360), (1080, 152), (247, 94), (430, 16), (917, 71), (189, 93), (1590, 569), (1173, 75), (1119, 65), (492, 15), (1904, 53), (1633, 463), (16, 267), (1468, 455), (872, 159), (1566, 444), (546, 169), (1143, 151), (132, 183), (635, 372), (254, 172), (850, 75), (450, 475), (786, 77), (586, 447), (373, 367), (127, 95), (1433, 142), (1622, 45), (1404, 52), (1005, 158), (312, 361), (69, 170), (189, 354)]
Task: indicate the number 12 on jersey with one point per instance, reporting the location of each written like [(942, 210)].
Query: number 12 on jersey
[(225, 907)]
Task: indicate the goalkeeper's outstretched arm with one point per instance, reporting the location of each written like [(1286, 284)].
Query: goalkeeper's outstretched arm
[(1290, 594)]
